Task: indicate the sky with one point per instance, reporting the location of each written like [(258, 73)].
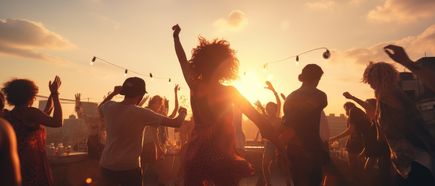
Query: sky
[(41, 39)]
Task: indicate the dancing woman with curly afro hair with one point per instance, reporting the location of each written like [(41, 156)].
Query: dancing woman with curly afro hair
[(211, 156)]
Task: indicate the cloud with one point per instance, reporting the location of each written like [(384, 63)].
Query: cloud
[(235, 21), (416, 47), (22, 38), (321, 4), (403, 11)]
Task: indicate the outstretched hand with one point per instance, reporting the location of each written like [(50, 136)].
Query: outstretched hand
[(398, 54), (117, 90), (269, 86), (347, 95), (54, 85), (176, 28)]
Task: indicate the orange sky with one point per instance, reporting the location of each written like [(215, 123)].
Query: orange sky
[(41, 39)]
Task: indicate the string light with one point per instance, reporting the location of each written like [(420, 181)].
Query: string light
[(94, 58), (326, 55)]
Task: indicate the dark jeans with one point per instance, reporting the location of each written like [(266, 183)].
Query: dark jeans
[(122, 178)]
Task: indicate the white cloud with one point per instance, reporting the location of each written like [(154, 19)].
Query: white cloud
[(235, 21), (403, 11), (22, 38), (416, 46)]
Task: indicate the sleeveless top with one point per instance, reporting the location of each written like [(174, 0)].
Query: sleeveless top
[(35, 169)]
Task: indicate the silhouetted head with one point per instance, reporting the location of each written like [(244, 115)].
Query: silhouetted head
[(20, 92), (381, 76), (214, 60), (271, 109), (348, 106), (311, 74), (133, 88), (156, 103)]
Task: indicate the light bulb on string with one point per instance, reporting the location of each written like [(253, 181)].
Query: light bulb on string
[(151, 76), (93, 60), (326, 54), (125, 73), (169, 82)]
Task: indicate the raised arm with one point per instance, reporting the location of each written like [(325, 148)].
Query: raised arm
[(399, 55), (116, 91), (175, 122), (260, 107), (267, 131), (278, 100), (181, 55), (43, 118), (362, 103), (49, 106), (176, 106)]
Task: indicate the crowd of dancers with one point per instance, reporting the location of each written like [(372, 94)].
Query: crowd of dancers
[(387, 144)]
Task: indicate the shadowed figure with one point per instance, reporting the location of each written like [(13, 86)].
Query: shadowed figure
[(211, 156), (26, 121), (412, 148)]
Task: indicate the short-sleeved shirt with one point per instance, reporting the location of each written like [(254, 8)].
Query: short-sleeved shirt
[(302, 110), (124, 126)]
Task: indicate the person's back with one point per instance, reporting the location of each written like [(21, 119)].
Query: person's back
[(302, 110), (124, 126)]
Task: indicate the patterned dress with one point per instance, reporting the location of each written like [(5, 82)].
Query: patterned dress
[(211, 153), (35, 170)]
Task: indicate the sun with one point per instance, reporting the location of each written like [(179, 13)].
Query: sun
[(251, 86)]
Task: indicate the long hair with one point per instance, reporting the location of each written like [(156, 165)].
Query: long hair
[(381, 76), (214, 59)]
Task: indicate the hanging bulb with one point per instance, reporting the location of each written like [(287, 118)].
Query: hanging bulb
[(265, 67), (125, 73), (169, 81), (297, 59), (93, 60), (326, 54), (151, 75)]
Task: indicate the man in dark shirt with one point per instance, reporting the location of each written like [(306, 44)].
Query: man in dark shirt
[(302, 110)]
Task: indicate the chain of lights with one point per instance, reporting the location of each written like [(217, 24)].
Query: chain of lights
[(126, 70), (326, 54)]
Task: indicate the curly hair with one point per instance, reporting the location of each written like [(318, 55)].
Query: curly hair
[(214, 59), (20, 92), (380, 76)]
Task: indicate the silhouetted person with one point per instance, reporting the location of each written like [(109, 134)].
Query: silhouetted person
[(125, 122), (152, 146), (95, 129), (26, 121), (376, 152), (358, 128), (211, 156), (302, 110), (10, 173), (412, 147), (426, 75), (273, 114)]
